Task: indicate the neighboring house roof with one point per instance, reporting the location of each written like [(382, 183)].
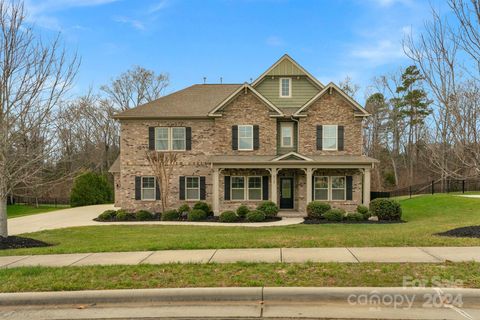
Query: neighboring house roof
[(245, 86), (195, 101), (332, 86), (115, 166), (315, 159)]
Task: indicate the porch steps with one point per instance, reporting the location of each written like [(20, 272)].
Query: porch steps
[(291, 214)]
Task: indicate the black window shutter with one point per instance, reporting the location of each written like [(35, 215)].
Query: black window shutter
[(265, 187), (203, 190), (340, 137), (256, 137), (349, 188), (319, 137), (151, 138), (226, 188), (188, 138), (138, 188), (234, 137), (157, 190), (181, 183)]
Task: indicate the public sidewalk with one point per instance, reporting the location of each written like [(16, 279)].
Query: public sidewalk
[(287, 255)]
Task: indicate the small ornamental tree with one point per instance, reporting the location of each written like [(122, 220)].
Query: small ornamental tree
[(162, 164), (90, 188)]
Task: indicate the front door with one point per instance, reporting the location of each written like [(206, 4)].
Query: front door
[(286, 193)]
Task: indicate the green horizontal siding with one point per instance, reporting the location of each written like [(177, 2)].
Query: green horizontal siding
[(302, 91)]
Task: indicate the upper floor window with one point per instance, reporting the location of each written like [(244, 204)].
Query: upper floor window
[(170, 139), (285, 87), (148, 188), (245, 137), (330, 137), (286, 134)]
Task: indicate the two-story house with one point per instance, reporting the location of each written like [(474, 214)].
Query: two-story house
[(284, 137)]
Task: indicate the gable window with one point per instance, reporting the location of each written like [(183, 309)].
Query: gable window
[(254, 188), (285, 87), (192, 188), (338, 188), (286, 134), (321, 188), (238, 188), (148, 188), (245, 137), (167, 139), (330, 139)]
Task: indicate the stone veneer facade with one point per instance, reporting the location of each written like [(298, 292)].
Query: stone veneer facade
[(212, 136)]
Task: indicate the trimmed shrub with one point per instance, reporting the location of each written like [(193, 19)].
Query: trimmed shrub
[(334, 215), (205, 207), (107, 215), (269, 208), (228, 216), (255, 216), (242, 211), (364, 211), (122, 215), (91, 188), (170, 215), (197, 215), (143, 215), (184, 208), (354, 216), (386, 209), (316, 209)]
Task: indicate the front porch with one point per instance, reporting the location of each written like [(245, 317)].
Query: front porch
[(291, 184)]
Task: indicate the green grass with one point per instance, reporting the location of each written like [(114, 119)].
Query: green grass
[(236, 274), (425, 216), (20, 210)]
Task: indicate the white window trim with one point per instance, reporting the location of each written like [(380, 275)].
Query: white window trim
[(289, 88), (336, 137), (246, 195), (170, 139), (315, 189), (238, 137), (154, 188), (187, 188), (344, 189), (292, 127)]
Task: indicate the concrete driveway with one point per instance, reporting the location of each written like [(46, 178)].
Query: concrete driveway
[(72, 217)]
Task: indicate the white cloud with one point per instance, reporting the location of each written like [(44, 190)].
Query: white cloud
[(158, 6), (275, 41), (389, 3), (137, 24), (381, 52)]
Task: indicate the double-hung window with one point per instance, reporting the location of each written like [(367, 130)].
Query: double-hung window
[(245, 137), (170, 139), (238, 188), (192, 188), (338, 188), (286, 134), (148, 188), (330, 139), (246, 188), (285, 87), (254, 188), (321, 188)]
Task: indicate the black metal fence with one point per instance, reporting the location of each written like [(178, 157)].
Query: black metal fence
[(34, 201), (436, 186)]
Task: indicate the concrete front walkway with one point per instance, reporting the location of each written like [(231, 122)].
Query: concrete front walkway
[(287, 255), (83, 216)]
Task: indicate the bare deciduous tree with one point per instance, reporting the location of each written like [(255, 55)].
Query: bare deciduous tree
[(34, 75), (162, 164)]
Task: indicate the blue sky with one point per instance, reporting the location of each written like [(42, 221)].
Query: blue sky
[(233, 39)]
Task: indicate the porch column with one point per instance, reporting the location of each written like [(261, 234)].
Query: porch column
[(215, 191), (273, 174), (309, 173), (366, 187)]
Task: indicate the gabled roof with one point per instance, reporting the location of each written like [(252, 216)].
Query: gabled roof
[(243, 87), (296, 70), (195, 102), (332, 86), (292, 156)]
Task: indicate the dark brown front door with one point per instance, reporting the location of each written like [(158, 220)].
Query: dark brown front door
[(286, 193)]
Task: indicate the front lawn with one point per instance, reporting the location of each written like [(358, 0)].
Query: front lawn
[(20, 210), (425, 216), (235, 274)]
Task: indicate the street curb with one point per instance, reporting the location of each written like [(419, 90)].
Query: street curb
[(279, 295)]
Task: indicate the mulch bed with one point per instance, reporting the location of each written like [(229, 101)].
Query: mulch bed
[(323, 221), (463, 232), (14, 242), (209, 219)]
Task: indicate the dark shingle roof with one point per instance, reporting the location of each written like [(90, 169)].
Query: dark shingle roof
[(194, 101)]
